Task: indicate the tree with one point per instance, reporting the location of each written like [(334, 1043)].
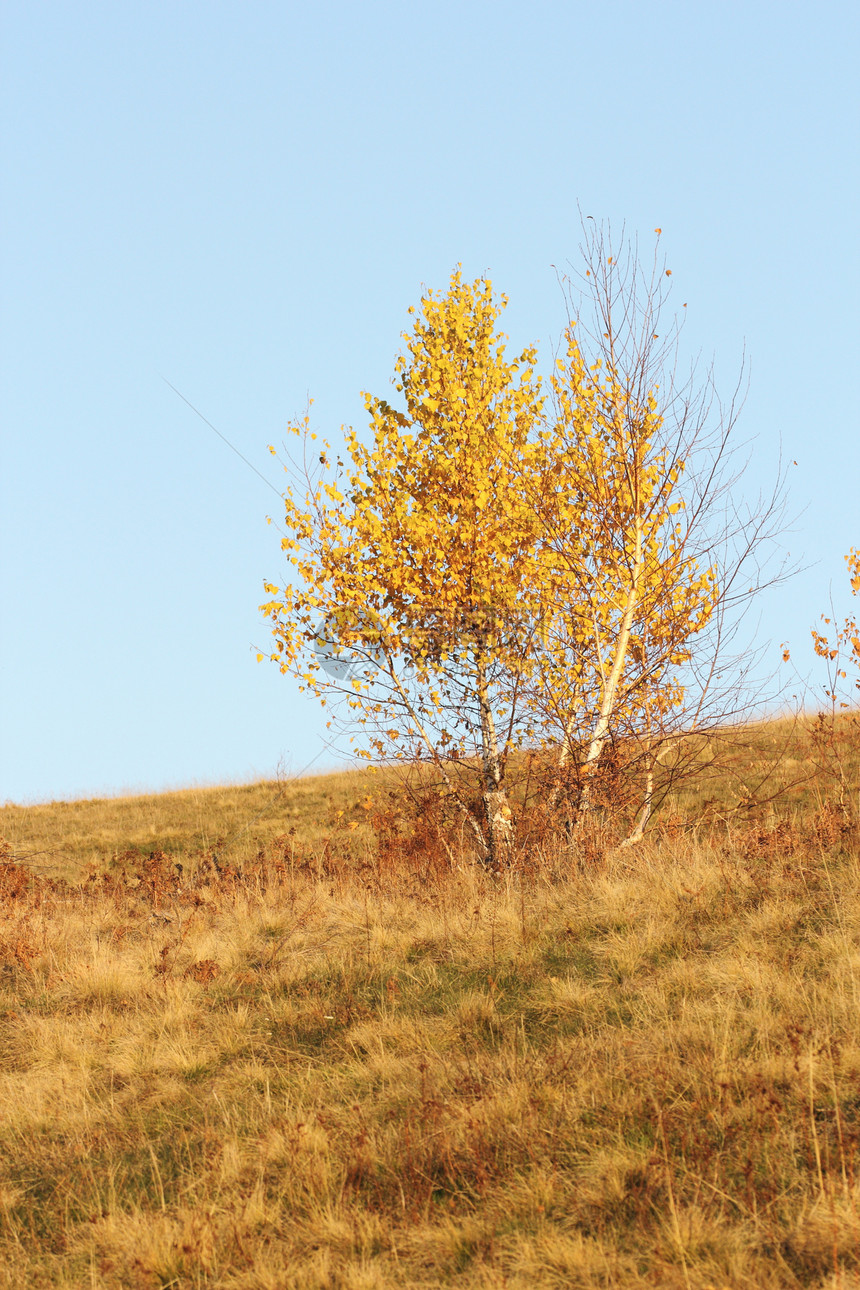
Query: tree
[(835, 731), (494, 571), (845, 647), (650, 556), (418, 596)]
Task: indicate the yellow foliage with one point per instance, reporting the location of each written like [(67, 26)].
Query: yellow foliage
[(485, 570), (847, 638)]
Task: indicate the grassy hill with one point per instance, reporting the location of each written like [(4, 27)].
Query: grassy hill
[(66, 838), (782, 771), (270, 1037)]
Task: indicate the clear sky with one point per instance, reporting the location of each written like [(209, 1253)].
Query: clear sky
[(245, 198)]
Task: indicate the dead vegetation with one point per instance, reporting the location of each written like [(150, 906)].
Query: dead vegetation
[(344, 1056)]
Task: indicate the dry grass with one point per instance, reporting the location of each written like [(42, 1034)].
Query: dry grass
[(65, 838), (322, 1062), (629, 1077), (778, 770)]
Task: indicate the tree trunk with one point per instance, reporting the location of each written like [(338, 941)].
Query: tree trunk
[(600, 734), (496, 808)]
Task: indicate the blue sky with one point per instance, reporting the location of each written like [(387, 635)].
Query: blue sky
[(246, 198)]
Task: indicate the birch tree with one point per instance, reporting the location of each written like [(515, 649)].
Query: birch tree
[(491, 570), (417, 559), (650, 554)]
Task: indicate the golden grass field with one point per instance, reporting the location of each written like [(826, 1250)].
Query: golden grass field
[(288, 1054)]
